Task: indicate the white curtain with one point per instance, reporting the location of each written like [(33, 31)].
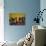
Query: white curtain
[(1, 20)]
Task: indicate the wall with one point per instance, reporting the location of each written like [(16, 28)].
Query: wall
[(29, 7), (43, 6)]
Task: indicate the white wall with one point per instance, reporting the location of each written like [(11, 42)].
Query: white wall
[(43, 6)]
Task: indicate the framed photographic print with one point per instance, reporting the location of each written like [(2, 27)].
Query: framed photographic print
[(16, 18)]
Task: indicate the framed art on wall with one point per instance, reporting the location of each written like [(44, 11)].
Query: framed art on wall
[(16, 18)]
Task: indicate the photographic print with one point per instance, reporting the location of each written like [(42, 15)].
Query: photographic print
[(16, 19)]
